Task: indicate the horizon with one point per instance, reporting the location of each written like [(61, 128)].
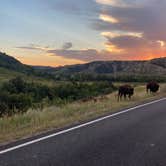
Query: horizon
[(58, 33), (83, 63)]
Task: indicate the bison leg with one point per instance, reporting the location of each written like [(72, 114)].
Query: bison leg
[(125, 96), (129, 96), (120, 96)]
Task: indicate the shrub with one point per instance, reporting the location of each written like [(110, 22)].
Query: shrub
[(17, 96)]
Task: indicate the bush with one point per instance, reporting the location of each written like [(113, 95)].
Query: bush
[(17, 96), (14, 103), (3, 109)]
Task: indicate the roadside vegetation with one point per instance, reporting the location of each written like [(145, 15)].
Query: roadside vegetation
[(17, 95), (78, 102)]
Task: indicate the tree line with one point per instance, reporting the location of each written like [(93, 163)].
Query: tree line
[(110, 77)]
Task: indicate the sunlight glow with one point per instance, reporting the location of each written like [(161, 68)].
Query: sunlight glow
[(162, 43), (108, 18), (117, 3), (106, 2), (122, 33), (113, 48)]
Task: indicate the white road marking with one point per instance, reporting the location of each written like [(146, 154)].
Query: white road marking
[(76, 127)]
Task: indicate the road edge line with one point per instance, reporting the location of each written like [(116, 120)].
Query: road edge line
[(78, 126)]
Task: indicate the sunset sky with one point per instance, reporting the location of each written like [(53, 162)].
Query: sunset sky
[(63, 32)]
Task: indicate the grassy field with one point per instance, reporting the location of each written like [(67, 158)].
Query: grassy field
[(36, 121), (6, 75)]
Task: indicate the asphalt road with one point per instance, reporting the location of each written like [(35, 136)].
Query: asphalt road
[(132, 138)]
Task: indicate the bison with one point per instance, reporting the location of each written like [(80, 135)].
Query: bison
[(152, 87), (125, 91)]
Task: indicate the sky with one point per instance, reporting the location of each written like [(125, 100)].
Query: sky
[(64, 32)]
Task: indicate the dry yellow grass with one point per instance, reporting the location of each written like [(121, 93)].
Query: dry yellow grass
[(34, 122)]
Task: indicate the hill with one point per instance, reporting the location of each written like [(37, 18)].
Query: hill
[(11, 68), (11, 63), (154, 67), (151, 67)]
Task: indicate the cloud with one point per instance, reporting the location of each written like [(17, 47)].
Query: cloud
[(89, 55), (121, 33), (67, 45), (125, 3), (84, 55), (34, 47), (27, 48), (108, 18), (130, 29), (139, 30), (127, 42), (137, 47), (117, 3)]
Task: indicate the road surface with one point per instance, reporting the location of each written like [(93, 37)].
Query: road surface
[(135, 137)]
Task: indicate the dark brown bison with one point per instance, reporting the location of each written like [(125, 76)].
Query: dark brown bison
[(125, 91), (152, 87)]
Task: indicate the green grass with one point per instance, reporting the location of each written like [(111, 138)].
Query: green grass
[(37, 121), (6, 75)]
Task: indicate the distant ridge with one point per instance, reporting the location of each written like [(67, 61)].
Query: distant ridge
[(150, 67), (154, 67)]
